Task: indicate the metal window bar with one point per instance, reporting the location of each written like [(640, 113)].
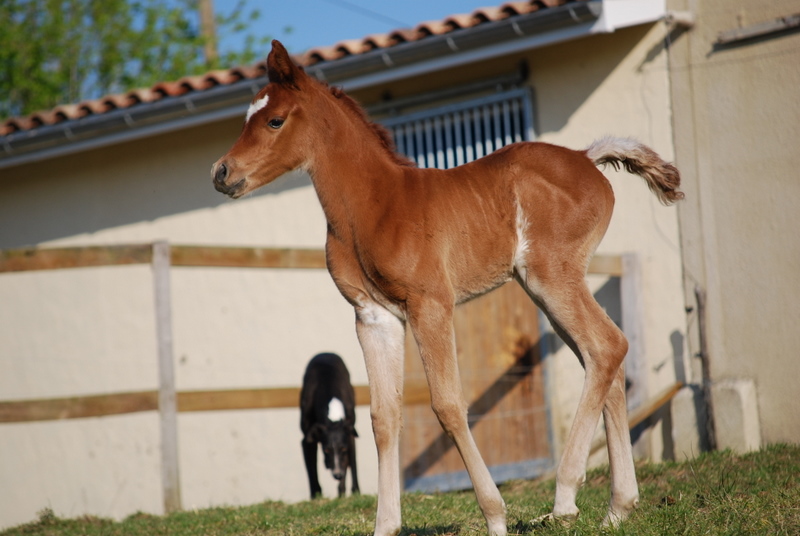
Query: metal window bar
[(470, 156), (479, 134), (419, 150), (459, 142), (455, 134)]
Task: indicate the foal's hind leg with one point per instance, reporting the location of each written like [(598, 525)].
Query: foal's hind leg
[(601, 348), (624, 491), (432, 324)]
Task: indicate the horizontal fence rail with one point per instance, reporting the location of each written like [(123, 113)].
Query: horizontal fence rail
[(82, 407), (22, 260)]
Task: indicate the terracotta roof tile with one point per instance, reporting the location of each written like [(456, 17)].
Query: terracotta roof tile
[(492, 13), (464, 20), (66, 111), (313, 56), (198, 82), (352, 47), (117, 101), (97, 106), (380, 41), (241, 73), (404, 35), (144, 95), (20, 123), (519, 8), (433, 27)]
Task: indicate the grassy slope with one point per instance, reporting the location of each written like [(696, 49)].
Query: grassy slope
[(718, 493)]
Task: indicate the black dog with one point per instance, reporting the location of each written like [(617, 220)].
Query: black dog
[(327, 416)]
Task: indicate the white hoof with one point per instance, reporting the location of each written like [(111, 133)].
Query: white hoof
[(617, 514)]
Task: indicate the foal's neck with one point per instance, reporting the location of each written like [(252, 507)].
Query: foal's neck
[(351, 170)]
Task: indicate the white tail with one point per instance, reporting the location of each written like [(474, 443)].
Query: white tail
[(662, 177)]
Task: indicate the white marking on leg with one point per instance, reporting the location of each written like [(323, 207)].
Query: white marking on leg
[(384, 329), (523, 245), (335, 410), (381, 336), (256, 106)]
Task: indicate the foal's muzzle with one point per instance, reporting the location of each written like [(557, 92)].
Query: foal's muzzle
[(220, 173)]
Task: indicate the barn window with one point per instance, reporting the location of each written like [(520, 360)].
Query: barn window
[(454, 134)]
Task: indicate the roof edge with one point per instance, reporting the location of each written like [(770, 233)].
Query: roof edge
[(360, 71), (485, 41)]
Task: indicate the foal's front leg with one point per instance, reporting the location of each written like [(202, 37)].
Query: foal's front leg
[(432, 324), (381, 335)]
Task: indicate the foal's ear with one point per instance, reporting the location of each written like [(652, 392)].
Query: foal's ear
[(280, 67)]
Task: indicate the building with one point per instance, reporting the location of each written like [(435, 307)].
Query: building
[(736, 133), (134, 168)]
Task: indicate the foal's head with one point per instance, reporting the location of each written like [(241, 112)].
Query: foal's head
[(287, 122), (274, 138)]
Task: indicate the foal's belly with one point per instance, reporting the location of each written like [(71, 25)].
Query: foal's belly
[(471, 294)]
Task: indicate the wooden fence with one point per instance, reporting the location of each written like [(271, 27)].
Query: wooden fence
[(162, 256)]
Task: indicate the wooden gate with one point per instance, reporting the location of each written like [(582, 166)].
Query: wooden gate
[(497, 341)]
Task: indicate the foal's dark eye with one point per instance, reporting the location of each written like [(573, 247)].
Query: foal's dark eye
[(275, 122)]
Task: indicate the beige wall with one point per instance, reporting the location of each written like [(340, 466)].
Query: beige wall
[(91, 331), (737, 134)]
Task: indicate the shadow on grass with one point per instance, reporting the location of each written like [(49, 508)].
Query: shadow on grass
[(524, 527), (438, 530)]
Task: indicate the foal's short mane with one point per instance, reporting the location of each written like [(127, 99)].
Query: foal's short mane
[(379, 131)]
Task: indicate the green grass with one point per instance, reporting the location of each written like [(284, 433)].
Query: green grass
[(718, 493)]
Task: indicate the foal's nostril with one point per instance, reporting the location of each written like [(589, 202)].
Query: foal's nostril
[(221, 174)]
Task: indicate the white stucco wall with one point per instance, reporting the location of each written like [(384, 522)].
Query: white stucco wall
[(737, 127)]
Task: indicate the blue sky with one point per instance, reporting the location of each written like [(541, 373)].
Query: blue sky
[(317, 23)]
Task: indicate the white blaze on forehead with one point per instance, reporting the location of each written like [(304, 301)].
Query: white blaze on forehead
[(256, 106), (335, 410)]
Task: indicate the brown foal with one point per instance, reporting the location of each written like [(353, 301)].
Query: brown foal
[(406, 245)]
